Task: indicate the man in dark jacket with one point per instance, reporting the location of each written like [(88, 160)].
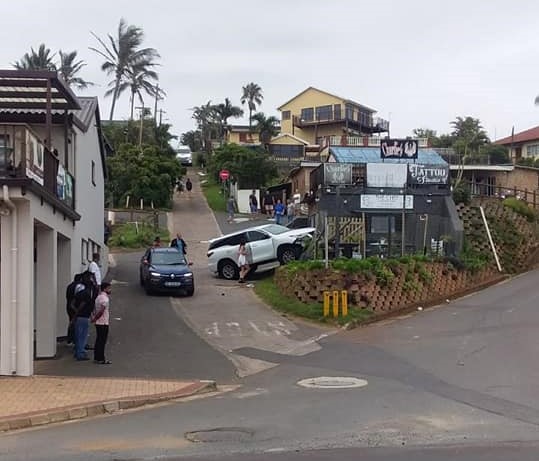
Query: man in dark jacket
[(84, 305), (71, 290)]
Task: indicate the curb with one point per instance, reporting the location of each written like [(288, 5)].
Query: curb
[(56, 415)]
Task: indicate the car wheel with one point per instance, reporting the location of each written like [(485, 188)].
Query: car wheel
[(286, 254), (228, 270)]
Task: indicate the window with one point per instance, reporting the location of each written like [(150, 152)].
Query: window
[(167, 258), (93, 172), (307, 114), (324, 113), (4, 144), (286, 115), (532, 150), (287, 151), (337, 111), (243, 137), (255, 236)]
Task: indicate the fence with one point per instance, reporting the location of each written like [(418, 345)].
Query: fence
[(489, 190)]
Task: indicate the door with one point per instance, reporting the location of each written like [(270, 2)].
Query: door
[(260, 246)]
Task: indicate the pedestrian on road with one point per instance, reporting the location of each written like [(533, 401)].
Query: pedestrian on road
[(242, 260), (84, 305), (253, 204), (279, 211), (95, 269), (72, 289), (179, 243), (189, 186), (100, 317), (230, 208)]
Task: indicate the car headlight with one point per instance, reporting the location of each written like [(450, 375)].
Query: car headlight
[(188, 274), (155, 274)]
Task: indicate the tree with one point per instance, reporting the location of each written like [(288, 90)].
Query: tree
[(69, 68), (469, 135), (424, 133), (207, 121), (496, 154), (444, 140), (224, 111), (251, 167), (266, 127), (123, 55), (40, 60), (193, 139), (252, 95)]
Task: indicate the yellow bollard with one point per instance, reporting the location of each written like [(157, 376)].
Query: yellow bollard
[(335, 304), (326, 303), (344, 303)]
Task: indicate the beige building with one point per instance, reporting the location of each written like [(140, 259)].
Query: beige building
[(522, 145)]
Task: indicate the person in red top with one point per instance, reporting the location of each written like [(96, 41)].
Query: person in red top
[(101, 317)]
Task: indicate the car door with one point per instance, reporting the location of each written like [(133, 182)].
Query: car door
[(260, 246), (231, 246), (145, 264)]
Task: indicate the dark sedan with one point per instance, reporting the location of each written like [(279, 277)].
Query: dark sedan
[(166, 270)]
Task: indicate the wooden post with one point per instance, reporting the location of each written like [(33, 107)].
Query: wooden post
[(335, 303), (534, 200), (326, 303), (344, 302)]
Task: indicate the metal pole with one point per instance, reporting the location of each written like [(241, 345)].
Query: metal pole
[(425, 234), (326, 240), (338, 224), (490, 239)]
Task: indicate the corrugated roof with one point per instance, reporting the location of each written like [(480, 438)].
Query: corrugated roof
[(524, 136), (372, 155), (88, 106)]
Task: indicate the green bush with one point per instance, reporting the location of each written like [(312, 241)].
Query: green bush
[(131, 236), (520, 207), (461, 194)]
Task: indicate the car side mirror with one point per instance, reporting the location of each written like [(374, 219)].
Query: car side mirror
[(189, 264), (145, 262)]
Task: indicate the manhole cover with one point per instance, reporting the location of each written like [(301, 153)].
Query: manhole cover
[(220, 434), (332, 382)]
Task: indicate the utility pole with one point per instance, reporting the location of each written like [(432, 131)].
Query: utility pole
[(161, 112), (141, 108), (155, 105)]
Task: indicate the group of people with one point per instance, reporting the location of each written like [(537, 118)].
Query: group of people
[(188, 186), (177, 242), (274, 208), (87, 298)]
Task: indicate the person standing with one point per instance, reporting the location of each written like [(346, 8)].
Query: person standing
[(95, 269), (84, 306), (72, 289), (290, 210), (189, 187), (242, 260), (179, 243), (101, 317), (230, 208), (279, 211), (157, 242), (253, 204), (268, 203)]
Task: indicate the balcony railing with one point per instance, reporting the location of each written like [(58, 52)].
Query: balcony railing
[(373, 124), (357, 141), (23, 156)]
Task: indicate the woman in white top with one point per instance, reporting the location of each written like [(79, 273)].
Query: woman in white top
[(242, 261)]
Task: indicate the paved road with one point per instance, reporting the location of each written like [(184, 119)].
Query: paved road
[(436, 390), (148, 338)]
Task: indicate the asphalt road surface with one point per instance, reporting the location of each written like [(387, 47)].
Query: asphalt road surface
[(455, 382)]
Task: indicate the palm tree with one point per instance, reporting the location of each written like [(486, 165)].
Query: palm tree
[(207, 119), (252, 95), (266, 127), (69, 68), (40, 60), (122, 55), (224, 111)]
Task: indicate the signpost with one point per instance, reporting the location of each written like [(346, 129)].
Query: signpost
[(224, 175)]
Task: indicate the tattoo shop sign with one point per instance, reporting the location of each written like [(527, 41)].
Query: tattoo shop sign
[(427, 174), (399, 148)]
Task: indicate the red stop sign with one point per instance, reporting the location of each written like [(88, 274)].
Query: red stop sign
[(224, 175)]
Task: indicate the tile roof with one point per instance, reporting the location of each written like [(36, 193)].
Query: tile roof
[(372, 155), (524, 136)]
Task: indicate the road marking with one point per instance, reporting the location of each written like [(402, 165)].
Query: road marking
[(279, 328), (332, 382), (258, 330), (213, 330), (234, 326)]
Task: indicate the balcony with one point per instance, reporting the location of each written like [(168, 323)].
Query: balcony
[(358, 141), (361, 122), (25, 161)]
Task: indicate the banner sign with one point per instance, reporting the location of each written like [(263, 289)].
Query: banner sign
[(386, 174), (427, 174), (34, 158), (337, 173), (387, 202), (399, 148)]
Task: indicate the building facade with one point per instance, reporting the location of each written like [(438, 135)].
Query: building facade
[(52, 174), (524, 144)]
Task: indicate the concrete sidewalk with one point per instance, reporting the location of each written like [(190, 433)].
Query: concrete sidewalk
[(38, 400)]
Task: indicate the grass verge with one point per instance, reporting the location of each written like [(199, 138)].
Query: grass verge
[(214, 196), (132, 236), (270, 294)]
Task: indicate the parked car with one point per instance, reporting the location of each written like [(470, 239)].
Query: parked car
[(166, 270), (269, 246), (184, 155)]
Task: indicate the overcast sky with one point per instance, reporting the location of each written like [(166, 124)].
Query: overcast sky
[(419, 63)]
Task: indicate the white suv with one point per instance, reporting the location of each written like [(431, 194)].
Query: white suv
[(268, 246)]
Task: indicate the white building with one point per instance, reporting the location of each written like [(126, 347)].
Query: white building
[(52, 173)]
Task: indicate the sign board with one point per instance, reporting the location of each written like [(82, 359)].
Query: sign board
[(427, 174), (337, 173), (399, 148), (387, 202), (224, 175), (34, 158), (386, 174)]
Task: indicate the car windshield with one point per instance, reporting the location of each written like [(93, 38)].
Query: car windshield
[(276, 229), (169, 258)]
